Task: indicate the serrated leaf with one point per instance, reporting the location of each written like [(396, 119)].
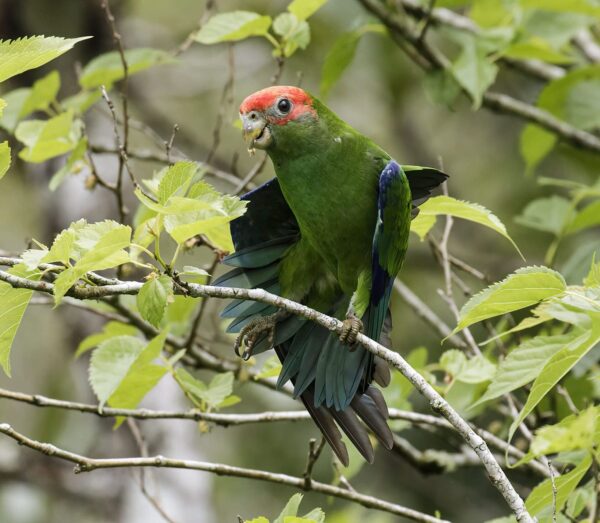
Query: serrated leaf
[(13, 303), (95, 246), (46, 139), (219, 388), (593, 277), (459, 209), (18, 56), (541, 497), (153, 298), (142, 376), (524, 362), (107, 68), (4, 158), (111, 330), (176, 180), (302, 9), (233, 26), (556, 368), (121, 370), (212, 395), (523, 288)]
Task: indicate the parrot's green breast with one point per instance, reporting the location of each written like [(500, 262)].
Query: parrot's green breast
[(329, 176)]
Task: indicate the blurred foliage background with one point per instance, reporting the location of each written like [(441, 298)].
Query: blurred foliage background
[(382, 94)]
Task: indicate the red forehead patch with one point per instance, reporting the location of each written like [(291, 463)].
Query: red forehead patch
[(266, 98)]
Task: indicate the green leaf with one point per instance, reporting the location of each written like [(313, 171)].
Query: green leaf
[(459, 209), (96, 246), (4, 158), (176, 180), (593, 277), (294, 33), (215, 395), (79, 103), (556, 368), (233, 26), (523, 288), (536, 48), (13, 303), (472, 69), (302, 9), (14, 103), (340, 56), (541, 497), (121, 370), (23, 54), (142, 376), (46, 139), (290, 509), (107, 68), (441, 87), (546, 214), (71, 165), (588, 217), (153, 298), (219, 388), (578, 6), (535, 144), (575, 432), (524, 362), (111, 330), (2, 106), (43, 93)]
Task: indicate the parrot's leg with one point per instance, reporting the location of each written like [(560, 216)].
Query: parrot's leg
[(351, 326), (251, 333)]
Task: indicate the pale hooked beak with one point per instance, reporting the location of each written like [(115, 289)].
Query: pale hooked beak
[(256, 131)]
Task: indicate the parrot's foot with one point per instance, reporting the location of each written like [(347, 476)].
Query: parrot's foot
[(252, 332), (350, 329)]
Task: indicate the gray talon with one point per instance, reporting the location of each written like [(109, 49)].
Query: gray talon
[(250, 334), (350, 329)]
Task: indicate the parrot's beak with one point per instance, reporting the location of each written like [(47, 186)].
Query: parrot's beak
[(256, 131)]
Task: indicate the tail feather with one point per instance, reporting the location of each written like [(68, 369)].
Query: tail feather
[(368, 411), (355, 431), (324, 420), (379, 400)]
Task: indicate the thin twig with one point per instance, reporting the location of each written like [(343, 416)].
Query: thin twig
[(314, 451), (143, 449), (437, 403), (86, 464), (227, 420), (123, 143)]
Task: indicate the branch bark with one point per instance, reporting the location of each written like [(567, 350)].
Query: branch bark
[(437, 403), (86, 464), (429, 57)]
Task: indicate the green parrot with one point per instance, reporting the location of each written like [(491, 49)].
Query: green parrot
[(330, 231)]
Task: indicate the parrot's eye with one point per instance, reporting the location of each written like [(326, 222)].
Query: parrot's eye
[(284, 105)]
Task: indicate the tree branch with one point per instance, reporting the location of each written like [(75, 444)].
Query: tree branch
[(431, 58), (437, 403), (86, 464)]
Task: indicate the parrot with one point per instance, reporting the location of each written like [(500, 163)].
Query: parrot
[(330, 231)]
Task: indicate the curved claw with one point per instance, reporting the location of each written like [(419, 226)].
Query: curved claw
[(251, 333), (352, 325)]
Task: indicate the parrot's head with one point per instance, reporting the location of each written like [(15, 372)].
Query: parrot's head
[(273, 116)]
